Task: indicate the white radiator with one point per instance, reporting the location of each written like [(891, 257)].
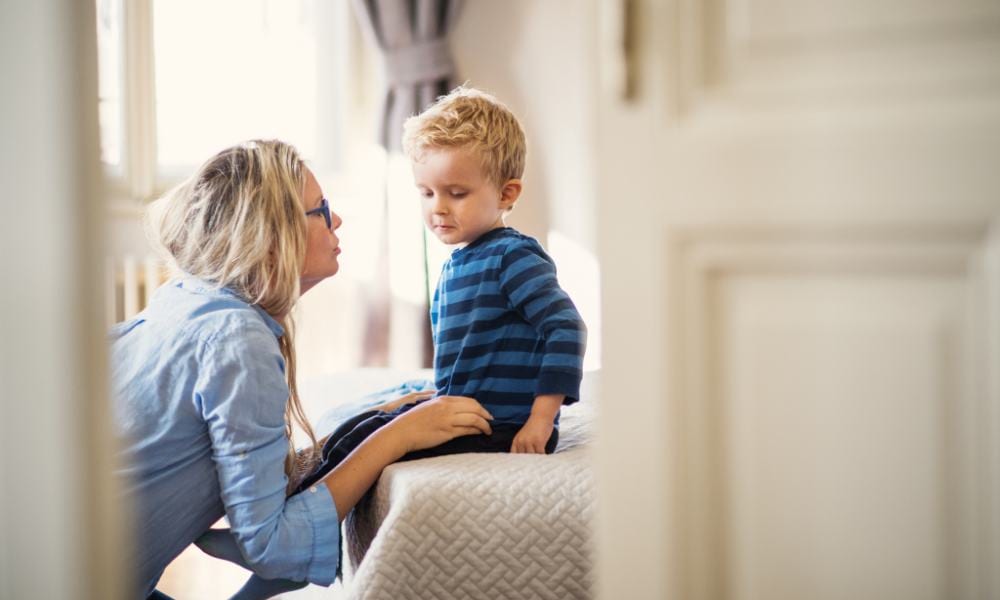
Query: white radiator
[(131, 282)]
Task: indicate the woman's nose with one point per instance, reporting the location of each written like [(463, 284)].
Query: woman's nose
[(336, 221)]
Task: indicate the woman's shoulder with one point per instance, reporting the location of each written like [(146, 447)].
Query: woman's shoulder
[(210, 314)]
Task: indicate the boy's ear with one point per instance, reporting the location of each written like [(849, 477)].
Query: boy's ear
[(509, 193)]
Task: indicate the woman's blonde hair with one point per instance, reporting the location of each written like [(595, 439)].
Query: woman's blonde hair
[(470, 118), (239, 223)]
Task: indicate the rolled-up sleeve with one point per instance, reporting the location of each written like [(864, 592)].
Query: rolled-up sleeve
[(242, 396)]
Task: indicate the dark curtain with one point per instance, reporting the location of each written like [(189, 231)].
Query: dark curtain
[(412, 39)]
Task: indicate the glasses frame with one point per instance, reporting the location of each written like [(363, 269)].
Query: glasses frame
[(322, 209)]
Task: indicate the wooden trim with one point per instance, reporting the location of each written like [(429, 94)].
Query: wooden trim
[(989, 436), (139, 153)]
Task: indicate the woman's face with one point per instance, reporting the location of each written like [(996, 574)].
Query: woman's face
[(322, 244)]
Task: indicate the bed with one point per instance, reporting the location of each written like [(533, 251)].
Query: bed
[(469, 526)]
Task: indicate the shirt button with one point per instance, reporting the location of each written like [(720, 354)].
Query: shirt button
[(243, 454), (313, 489)]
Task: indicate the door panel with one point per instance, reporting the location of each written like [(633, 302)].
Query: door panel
[(826, 445)]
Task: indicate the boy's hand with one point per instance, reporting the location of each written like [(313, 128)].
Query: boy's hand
[(533, 436)]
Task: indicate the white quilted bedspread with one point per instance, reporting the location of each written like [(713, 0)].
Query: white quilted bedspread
[(501, 526)]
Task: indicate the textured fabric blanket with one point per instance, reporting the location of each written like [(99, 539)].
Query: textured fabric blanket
[(502, 526)]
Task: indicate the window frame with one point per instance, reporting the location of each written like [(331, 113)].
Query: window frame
[(138, 179)]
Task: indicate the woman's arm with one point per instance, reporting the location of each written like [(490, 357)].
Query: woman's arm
[(241, 394), (430, 424)]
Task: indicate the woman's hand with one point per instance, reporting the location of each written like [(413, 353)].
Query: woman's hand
[(407, 399), (437, 421), (430, 424)]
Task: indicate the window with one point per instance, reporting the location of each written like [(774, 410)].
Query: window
[(182, 79), (254, 77), (109, 54)]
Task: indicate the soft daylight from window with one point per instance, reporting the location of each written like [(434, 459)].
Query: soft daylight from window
[(255, 77)]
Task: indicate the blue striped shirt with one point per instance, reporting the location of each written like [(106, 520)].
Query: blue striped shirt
[(504, 331)]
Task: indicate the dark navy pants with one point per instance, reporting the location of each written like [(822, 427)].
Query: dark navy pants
[(355, 430)]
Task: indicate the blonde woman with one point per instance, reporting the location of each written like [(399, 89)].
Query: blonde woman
[(204, 378)]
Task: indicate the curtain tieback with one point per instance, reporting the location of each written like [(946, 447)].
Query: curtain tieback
[(418, 63)]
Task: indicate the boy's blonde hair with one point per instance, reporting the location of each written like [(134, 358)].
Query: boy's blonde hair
[(239, 223), (469, 118)]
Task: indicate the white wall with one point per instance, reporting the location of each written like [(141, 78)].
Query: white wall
[(539, 58)]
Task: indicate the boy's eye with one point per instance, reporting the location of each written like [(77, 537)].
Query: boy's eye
[(426, 193), (458, 193)]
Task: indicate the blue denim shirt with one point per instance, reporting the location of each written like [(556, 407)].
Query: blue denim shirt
[(200, 397)]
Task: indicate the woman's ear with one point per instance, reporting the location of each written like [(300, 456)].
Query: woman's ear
[(509, 193)]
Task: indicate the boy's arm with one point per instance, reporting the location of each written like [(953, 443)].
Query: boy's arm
[(528, 279)]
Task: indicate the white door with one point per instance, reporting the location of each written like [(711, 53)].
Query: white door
[(801, 268)]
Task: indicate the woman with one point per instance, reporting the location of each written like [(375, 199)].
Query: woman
[(204, 378)]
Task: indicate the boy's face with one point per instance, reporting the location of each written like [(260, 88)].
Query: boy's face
[(459, 202)]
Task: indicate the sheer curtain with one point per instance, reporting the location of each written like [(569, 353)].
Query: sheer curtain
[(412, 41)]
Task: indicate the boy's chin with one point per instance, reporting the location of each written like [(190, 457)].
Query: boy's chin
[(448, 240)]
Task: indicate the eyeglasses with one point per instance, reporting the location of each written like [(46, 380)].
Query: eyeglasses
[(322, 209)]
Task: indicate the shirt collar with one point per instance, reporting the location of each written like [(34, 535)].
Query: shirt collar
[(272, 324), (479, 241)]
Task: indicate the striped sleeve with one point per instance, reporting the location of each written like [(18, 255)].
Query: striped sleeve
[(528, 279)]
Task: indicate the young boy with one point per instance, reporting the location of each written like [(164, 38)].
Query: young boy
[(504, 332)]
